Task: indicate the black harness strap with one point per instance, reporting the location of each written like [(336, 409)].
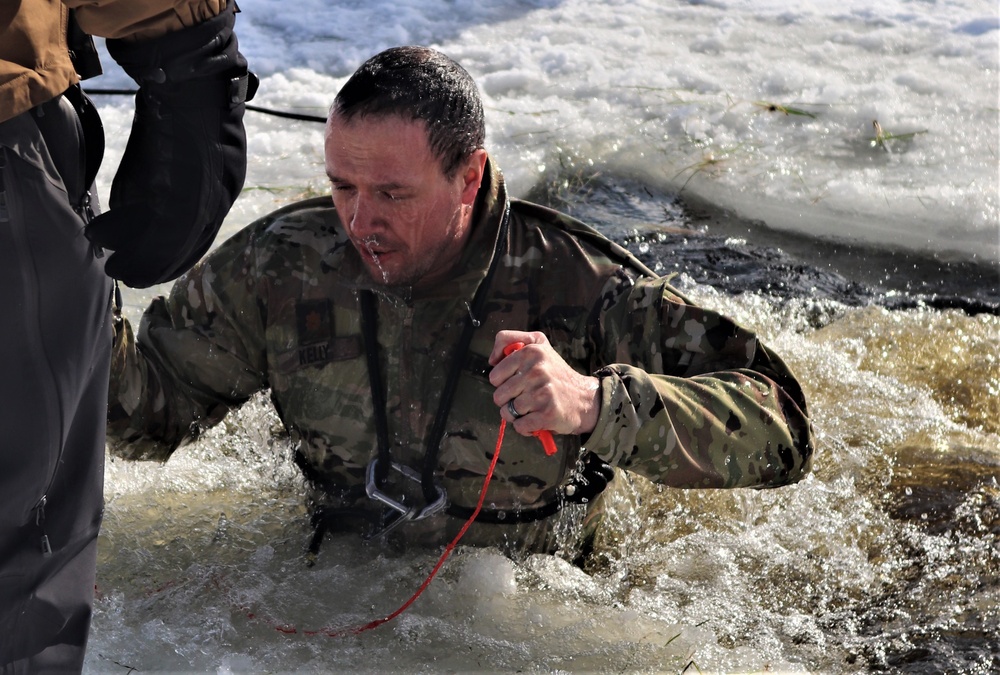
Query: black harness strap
[(369, 332), (511, 516), (475, 318)]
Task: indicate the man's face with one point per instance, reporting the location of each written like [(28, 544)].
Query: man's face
[(406, 218)]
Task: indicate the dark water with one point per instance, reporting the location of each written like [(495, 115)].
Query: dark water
[(718, 248)]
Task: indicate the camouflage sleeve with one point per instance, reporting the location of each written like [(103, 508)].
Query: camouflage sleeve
[(691, 399), (192, 361)]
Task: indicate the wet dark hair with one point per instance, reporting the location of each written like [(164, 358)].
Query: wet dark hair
[(418, 83)]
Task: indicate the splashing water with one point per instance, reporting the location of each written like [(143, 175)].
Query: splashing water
[(887, 556)]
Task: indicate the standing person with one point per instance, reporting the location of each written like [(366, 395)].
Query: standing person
[(182, 169), (380, 323)]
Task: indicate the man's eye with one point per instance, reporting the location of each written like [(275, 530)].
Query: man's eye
[(342, 187)]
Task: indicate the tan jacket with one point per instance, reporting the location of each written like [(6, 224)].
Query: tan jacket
[(34, 60)]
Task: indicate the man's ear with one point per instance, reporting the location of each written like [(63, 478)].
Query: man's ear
[(472, 175)]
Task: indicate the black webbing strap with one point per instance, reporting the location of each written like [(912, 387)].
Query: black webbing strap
[(369, 332), (509, 517), (475, 318)]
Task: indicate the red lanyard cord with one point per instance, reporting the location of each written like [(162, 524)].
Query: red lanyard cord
[(288, 629), (447, 550), (550, 448)]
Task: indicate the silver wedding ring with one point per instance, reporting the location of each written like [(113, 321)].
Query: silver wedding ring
[(512, 410)]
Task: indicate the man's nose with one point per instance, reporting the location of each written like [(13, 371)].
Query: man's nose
[(363, 216)]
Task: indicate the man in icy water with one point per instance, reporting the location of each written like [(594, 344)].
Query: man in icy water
[(379, 323)]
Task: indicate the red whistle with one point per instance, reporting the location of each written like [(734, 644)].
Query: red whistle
[(512, 347), (543, 435)]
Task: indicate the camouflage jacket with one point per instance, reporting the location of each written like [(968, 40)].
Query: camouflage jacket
[(689, 398)]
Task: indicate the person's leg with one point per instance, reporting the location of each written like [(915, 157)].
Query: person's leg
[(55, 343)]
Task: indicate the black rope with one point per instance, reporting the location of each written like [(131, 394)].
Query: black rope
[(255, 108), (287, 115), (112, 92)]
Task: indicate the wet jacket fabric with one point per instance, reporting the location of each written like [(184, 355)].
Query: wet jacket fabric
[(688, 398), (35, 64)]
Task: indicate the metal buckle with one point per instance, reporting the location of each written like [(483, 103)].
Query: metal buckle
[(406, 513)]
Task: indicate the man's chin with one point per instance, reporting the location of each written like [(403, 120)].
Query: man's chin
[(388, 277)]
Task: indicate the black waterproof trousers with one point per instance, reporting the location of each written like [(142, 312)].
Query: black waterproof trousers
[(55, 345)]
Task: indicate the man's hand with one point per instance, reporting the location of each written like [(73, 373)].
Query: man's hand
[(544, 390), (185, 160)]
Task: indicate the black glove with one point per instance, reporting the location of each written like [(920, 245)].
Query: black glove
[(185, 160), (592, 475)]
